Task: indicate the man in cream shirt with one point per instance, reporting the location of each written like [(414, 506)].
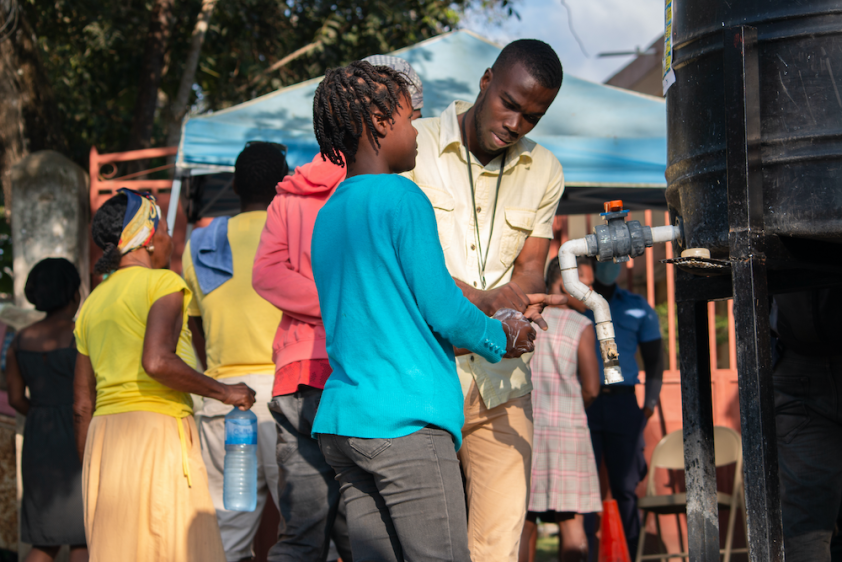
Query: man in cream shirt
[(495, 232)]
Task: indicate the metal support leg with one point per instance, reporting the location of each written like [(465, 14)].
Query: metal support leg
[(700, 470), (751, 298)]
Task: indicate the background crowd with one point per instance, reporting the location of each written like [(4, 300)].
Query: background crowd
[(263, 301)]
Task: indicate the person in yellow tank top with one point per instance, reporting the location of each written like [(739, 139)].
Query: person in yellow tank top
[(144, 483), (233, 328)]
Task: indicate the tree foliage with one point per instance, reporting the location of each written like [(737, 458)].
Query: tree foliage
[(92, 51)]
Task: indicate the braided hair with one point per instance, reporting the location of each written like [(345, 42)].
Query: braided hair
[(538, 58), (342, 107), (52, 284), (106, 230)]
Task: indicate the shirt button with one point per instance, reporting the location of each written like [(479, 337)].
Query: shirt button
[(475, 283), (472, 357), (473, 247), (479, 209)]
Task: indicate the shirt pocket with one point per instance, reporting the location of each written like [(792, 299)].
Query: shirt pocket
[(443, 205), (519, 225)]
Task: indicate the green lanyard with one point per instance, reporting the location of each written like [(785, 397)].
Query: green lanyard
[(483, 259)]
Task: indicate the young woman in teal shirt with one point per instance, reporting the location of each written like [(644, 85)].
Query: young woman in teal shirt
[(390, 417)]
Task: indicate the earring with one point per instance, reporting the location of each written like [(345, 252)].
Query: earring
[(150, 248)]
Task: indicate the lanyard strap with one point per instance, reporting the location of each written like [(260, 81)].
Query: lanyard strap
[(483, 259)]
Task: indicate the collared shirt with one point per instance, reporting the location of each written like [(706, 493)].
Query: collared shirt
[(635, 322), (529, 194)]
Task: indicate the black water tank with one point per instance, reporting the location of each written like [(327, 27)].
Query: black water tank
[(800, 68)]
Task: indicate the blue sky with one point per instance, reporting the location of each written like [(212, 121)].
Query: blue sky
[(602, 25)]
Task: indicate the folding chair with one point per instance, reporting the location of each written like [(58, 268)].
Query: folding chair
[(669, 454)]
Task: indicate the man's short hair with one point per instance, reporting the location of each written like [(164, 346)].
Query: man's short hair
[(259, 168), (539, 59)]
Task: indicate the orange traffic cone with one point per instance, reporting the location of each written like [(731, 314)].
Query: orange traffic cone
[(612, 542)]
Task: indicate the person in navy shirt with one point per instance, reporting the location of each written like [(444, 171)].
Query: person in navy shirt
[(615, 419)]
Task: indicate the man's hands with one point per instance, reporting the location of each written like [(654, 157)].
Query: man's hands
[(537, 302), (520, 335), (511, 296), (239, 395)]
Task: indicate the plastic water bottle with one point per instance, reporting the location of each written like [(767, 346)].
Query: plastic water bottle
[(239, 488)]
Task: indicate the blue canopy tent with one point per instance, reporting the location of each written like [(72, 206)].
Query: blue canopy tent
[(610, 142)]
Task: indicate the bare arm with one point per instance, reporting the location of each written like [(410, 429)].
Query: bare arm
[(653, 366), (197, 328), (160, 361), (527, 277), (84, 401), (14, 381), (588, 366), (528, 271)]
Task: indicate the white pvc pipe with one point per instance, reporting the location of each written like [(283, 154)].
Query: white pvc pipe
[(666, 233), (594, 301)]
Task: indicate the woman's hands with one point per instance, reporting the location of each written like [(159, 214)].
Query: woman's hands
[(520, 335), (239, 395)]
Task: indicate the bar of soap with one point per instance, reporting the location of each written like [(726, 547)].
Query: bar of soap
[(696, 253)]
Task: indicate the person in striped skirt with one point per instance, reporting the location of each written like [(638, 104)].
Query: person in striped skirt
[(565, 376)]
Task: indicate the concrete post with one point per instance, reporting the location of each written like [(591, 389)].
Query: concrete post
[(50, 219), (50, 216)]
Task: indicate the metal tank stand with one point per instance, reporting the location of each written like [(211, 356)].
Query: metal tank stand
[(748, 286), (751, 296)]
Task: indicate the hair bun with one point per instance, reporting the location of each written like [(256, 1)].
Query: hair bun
[(110, 259)]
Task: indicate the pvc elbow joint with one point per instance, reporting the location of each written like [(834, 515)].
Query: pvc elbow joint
[(618, 240)]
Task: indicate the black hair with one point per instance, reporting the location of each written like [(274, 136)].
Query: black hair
[(52, 284), (106, 230), (259, 168), (539, 59), (553, 272), (342, 107)]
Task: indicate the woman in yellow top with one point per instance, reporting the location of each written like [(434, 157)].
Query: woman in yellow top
[(144, 482)]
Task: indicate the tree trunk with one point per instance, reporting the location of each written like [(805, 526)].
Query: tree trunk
[(178, 107), (28, 114), (151, 71)]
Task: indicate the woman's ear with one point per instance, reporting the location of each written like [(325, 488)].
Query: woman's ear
[(381, 124)]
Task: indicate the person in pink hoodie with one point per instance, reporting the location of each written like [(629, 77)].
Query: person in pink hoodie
[(308, 493)]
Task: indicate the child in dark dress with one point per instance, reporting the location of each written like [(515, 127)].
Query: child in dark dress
[(42, 357)]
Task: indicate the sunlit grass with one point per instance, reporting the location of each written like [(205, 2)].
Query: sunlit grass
[(547, 550)]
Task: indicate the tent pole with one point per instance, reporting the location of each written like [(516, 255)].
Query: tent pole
[(175, 193)]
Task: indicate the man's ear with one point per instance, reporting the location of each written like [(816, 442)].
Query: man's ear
[(486, 79)]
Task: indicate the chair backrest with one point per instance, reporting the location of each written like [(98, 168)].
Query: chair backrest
[(669, 454)]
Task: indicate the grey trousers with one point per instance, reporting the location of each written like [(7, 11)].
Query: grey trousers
[(404, 496), (808, 418), (311, 509)]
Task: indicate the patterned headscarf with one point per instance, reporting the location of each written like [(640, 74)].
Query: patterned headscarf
[(140, 222), (416, 89)]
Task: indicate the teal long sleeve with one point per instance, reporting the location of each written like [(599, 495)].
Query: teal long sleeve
[(392, 314)]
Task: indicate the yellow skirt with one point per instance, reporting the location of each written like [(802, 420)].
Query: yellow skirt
[(138, 504)]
